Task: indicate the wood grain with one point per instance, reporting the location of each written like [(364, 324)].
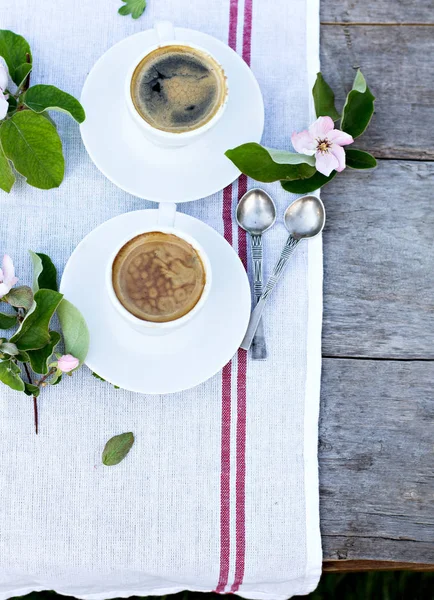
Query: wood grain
[(379, 262), (377, 11), (376, 458), (350, 566), (397, 62)]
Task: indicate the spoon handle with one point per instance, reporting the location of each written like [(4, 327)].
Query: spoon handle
[(259, 347), (255, 317)]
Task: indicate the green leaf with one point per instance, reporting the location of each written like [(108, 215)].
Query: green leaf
[(117, 448), (31, 390), (16, 52), (358, 108), (44, 272), (23, 357), (133, 7), (7, 177), (34, 330), (39, 358), (7, 321), (8, 348), (74, 329), (324, 99), (10, 374), (12, 104), (269, 165), (358, 159), (57, 378), (32, 143), (40, 98), (97, 376), (20, 297), (304, 186)]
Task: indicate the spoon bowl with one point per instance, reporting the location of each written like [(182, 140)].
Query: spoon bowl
[(256, 212), (305, 218)]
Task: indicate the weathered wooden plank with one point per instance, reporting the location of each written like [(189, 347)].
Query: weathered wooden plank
[(379, 11), (398, 65), (376, 459), (379, 262), (351, 566)]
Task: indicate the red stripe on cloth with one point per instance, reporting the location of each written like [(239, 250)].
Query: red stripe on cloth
[(240, 485), (225, 477), (233, 18), (240, 480), (247, 34)]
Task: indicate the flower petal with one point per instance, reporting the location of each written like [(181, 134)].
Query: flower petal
[(4, 105), (340, 137), (326, 162), (1, 275), (4, 289), (304, 142), (67, 363), (321, 127), (8, 269), (3, 77), (339, 152)]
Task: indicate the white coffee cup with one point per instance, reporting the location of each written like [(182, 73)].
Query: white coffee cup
[(167, 36), (166, 224)]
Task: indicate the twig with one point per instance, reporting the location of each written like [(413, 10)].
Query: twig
[(35, 400)]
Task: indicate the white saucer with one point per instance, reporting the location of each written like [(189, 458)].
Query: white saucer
[(168, 363), (129, 160)]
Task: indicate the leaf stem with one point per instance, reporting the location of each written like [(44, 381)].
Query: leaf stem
[(35, 400), (26, 83)]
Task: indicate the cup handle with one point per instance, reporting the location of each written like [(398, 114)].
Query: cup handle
[(165, 31), (166, 214)]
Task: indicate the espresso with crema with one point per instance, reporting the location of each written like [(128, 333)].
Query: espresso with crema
[(158, 277), (178, 88)]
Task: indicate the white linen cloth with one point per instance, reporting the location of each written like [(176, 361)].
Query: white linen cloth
[(220, 490)]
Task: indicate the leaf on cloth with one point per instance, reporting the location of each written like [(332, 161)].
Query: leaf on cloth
[(304, 186), (33, 145), (74, 329), (10, 374), (117, 448), (34, 330), (31, 390), (116, 387), (20, 297), (40, 98), (17, 55), (135, 8), (358, 159), (267, 165), (358, 108), (39, 358), (324, 99), (7, 177), (7, 321), (8, 348), (44, 272)]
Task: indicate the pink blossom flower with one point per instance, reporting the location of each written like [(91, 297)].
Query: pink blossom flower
[(3, 97), (323, 140), (67, 363), (7, 276)]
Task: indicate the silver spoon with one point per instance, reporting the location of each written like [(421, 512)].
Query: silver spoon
[(304, 218), (256, 213)]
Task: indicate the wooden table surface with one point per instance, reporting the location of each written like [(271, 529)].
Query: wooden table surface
[(377, 403)]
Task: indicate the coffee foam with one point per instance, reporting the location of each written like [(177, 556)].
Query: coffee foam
[(177, 89), (158, 277)]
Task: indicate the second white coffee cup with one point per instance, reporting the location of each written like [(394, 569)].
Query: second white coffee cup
[(166, 224)]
